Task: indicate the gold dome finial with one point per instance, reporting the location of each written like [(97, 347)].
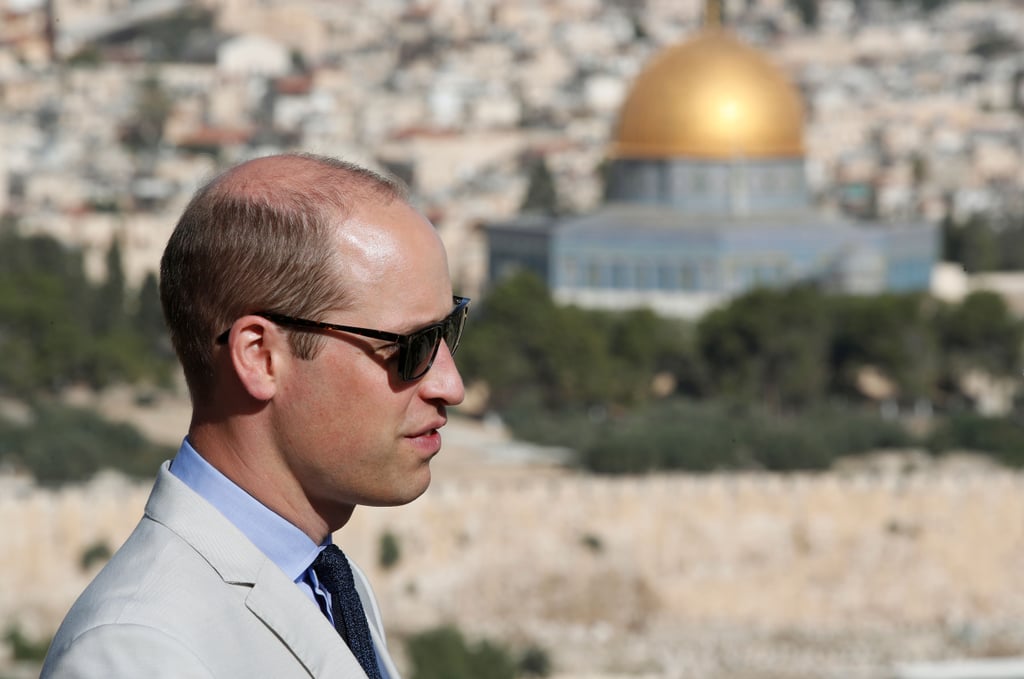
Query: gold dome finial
[(713, 13)]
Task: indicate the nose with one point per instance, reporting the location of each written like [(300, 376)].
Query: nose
[(443, 381)]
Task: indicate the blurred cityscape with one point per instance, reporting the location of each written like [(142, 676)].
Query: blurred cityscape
[(113, 111)]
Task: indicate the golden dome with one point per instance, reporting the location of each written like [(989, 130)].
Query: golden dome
[(710, 97)]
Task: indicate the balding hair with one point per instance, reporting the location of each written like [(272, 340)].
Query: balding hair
[(262, 236)]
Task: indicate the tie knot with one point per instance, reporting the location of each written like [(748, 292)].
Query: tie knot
[(332, 568)]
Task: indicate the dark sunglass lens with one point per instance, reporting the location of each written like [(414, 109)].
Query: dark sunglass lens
[(420, 353), (453, 329)]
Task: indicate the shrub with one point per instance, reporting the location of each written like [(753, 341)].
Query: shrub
[(443, 653), (23, 648), (390, 550), (592, 542), (96, 552), (701, 437), (1001, 437), (63, 444), (534, 662)]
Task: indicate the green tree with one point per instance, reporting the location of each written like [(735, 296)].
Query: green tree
[(1000, 437), (109, 307), (894, 333), (777, 372), (973, 244), (981, 333), (145, 130), (443, 653), (574, 364), (504, 341), (61, 445), (643, 345), (535, 662), (97, 552), (636, 339), (808, 12), (1011, 243), (24, 648), (155, 356), (541, 193), (530, 351), (44, 332), (770, 346), (713, 435), (995, 44), (390, 550), (57, 328), (148, 312)]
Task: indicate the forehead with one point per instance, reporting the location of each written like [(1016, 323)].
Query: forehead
[(391, 254)]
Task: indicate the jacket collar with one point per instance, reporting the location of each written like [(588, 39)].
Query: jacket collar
[(273, 598)]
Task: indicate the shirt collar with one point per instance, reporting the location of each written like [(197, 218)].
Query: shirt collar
[(281, 541)]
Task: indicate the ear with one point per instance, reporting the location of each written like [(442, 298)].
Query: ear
[(258, 349)]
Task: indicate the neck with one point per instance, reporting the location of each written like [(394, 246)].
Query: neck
[(229, 447)]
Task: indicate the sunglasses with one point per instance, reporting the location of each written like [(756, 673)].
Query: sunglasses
[(416, 351)]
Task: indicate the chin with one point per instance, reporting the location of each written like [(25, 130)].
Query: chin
[(395, 499)]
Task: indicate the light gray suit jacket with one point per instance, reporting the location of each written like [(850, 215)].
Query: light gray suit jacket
[(188, 595)]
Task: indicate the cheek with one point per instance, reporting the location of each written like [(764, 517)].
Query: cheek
[(335, 417), (349, 412), (316, 404), (345, 400)]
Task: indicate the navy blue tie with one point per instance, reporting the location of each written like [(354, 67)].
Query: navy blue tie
[(335, 574)]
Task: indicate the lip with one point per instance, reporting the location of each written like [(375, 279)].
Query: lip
[(427, 444), (429, 430)]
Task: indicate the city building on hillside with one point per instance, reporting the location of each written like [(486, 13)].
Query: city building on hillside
[(254, 55), (706, 198)]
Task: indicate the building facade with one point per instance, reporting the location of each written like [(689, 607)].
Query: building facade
[(706, 198)]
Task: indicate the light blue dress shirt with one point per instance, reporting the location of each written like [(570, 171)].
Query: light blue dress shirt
[(281, 541)]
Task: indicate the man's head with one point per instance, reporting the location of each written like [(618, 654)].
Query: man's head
[(296, 412), (260, 237)]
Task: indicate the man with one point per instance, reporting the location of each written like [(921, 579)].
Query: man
[(312, 310)]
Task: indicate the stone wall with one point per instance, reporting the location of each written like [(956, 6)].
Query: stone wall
[(724, 575)]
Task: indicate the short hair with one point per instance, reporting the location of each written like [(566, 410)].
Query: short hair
[(260, 241)]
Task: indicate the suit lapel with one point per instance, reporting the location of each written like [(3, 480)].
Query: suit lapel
[(300, 625), (382, 653), (273, 598)]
